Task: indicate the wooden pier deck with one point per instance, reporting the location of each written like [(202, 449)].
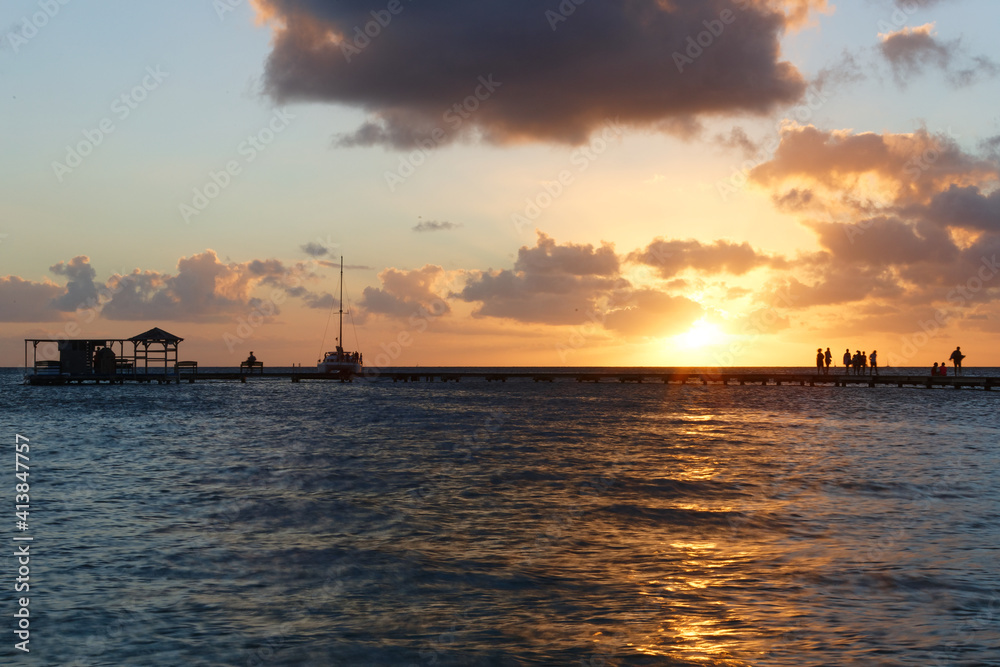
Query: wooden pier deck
[(633, 376)]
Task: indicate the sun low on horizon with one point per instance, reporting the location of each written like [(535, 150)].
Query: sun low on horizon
[(712, 194)]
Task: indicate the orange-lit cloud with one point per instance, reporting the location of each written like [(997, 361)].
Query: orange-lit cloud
[(406, 293), (907, 221), (819, 168)]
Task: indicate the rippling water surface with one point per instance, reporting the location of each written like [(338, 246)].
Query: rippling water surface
[(273, 523)]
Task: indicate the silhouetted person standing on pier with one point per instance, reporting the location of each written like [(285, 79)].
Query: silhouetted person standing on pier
[(847, 361), (819, 360), (873, 361), (828, 358), (956, 358)]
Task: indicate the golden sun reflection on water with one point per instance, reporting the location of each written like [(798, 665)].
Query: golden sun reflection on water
[(711, 633)]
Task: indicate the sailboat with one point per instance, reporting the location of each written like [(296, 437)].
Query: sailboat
[(347, 364)]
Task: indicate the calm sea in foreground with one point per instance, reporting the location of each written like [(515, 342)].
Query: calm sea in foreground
[(373, 523)]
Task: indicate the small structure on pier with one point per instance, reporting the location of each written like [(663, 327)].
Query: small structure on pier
[(157, 345), (60, 360)]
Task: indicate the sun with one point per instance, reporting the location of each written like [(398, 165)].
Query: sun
[(701, 334)]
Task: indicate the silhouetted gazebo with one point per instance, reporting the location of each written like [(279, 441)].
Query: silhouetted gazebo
[(155, 346)]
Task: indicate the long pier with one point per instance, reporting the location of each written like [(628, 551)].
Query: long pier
[(622, 376)]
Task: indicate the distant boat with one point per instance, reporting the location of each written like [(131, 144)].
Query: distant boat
[(347, 364)]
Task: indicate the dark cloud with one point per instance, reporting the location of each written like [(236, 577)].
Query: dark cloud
[(991, 148), (911, 51), (965, 207), (885, 241), (314, 249), (506, 71), (321, 301), (670, 257), (435, 226), (81, 291)]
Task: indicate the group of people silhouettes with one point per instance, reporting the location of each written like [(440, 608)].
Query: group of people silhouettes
[(955, 358), (861, 363)]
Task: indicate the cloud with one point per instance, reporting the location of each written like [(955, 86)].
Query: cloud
[(435, 226), (406, 293), (203, 289), (549, 284), (965, 207), (567, 284), (670, 257), (903, 220), (910, 51), (27, 301), (524, 73), (314, 249), (650, 312), (81, 290), (851, 171), (885, 241)]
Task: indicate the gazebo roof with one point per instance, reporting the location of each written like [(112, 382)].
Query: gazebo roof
[(156, 334)]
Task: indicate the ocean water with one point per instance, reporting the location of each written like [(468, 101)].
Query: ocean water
[(373, 523)]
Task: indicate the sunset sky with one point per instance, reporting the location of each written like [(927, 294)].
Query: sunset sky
[(591, 182)]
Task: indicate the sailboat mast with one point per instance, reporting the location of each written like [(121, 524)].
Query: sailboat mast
[(340, 339)]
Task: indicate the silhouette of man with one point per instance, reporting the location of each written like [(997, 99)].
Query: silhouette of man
[(956, 358), (251, 359), (828, 358), (873, 362), (819, 360), (847, 361)]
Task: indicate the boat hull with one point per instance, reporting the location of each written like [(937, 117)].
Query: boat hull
[(342, 367)]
